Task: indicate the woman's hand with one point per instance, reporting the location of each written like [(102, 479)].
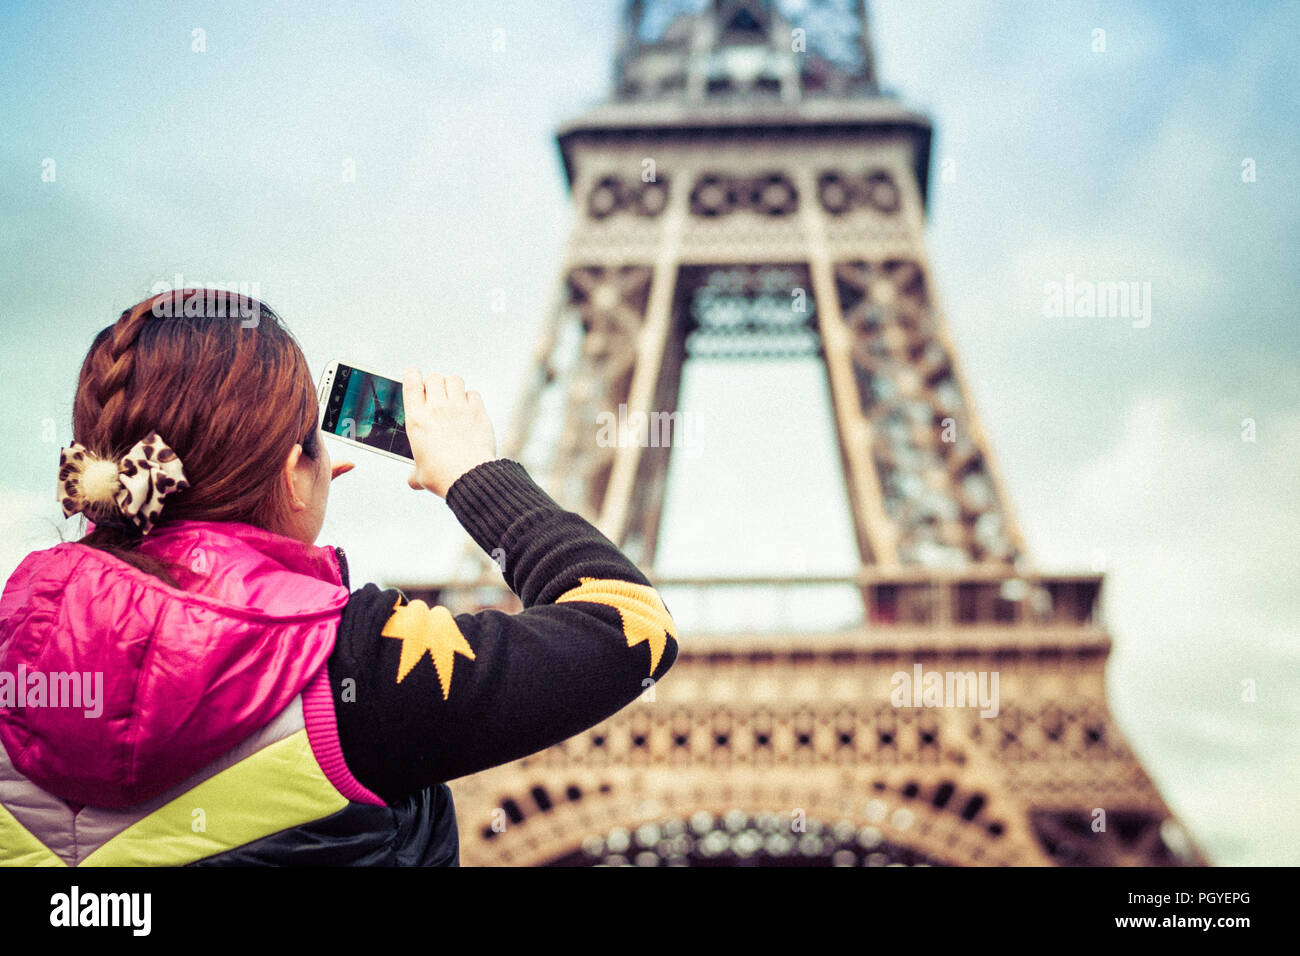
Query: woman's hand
[(448, 427)]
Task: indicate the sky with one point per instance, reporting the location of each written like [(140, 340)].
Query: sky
[(1122, 448)]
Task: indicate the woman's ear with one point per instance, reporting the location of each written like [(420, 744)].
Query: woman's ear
[(298, 480)]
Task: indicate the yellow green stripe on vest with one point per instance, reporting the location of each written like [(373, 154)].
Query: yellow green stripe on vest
[(279, 787)]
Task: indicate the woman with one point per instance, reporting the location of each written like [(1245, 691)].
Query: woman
[(194, 682)]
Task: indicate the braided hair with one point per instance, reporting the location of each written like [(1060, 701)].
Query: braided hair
[(230, 397)]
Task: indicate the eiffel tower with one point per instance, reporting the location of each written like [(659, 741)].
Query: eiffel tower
[(749, 191)]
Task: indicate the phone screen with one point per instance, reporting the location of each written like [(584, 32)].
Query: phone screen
[(367, 408)]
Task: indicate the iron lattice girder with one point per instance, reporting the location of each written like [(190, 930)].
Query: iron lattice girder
[(929, 461), (748, 312), (725, 49), (928, 464)]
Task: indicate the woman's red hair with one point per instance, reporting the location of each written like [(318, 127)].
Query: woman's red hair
[(221, 379)]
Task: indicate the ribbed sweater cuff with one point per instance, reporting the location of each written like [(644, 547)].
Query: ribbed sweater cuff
[(490, 497), (321, 721)]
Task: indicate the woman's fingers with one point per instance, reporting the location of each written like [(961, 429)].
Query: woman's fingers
[(342, 468), (434, 387), (412, 388), (449, 429)]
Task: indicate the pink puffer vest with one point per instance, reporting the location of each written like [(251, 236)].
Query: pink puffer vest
[(187, 672)]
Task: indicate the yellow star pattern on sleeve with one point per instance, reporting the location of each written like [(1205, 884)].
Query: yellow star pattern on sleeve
[(644, 616), (421, 628)]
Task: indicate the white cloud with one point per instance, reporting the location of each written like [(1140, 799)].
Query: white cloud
[(1200, 560), (1182, 503)]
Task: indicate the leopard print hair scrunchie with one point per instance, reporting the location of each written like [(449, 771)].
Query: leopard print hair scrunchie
[(135, 485)]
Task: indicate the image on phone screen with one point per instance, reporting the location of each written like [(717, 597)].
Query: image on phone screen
[(367, 408)]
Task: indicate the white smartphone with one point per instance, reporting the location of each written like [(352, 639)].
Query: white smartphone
[(364, 408)]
